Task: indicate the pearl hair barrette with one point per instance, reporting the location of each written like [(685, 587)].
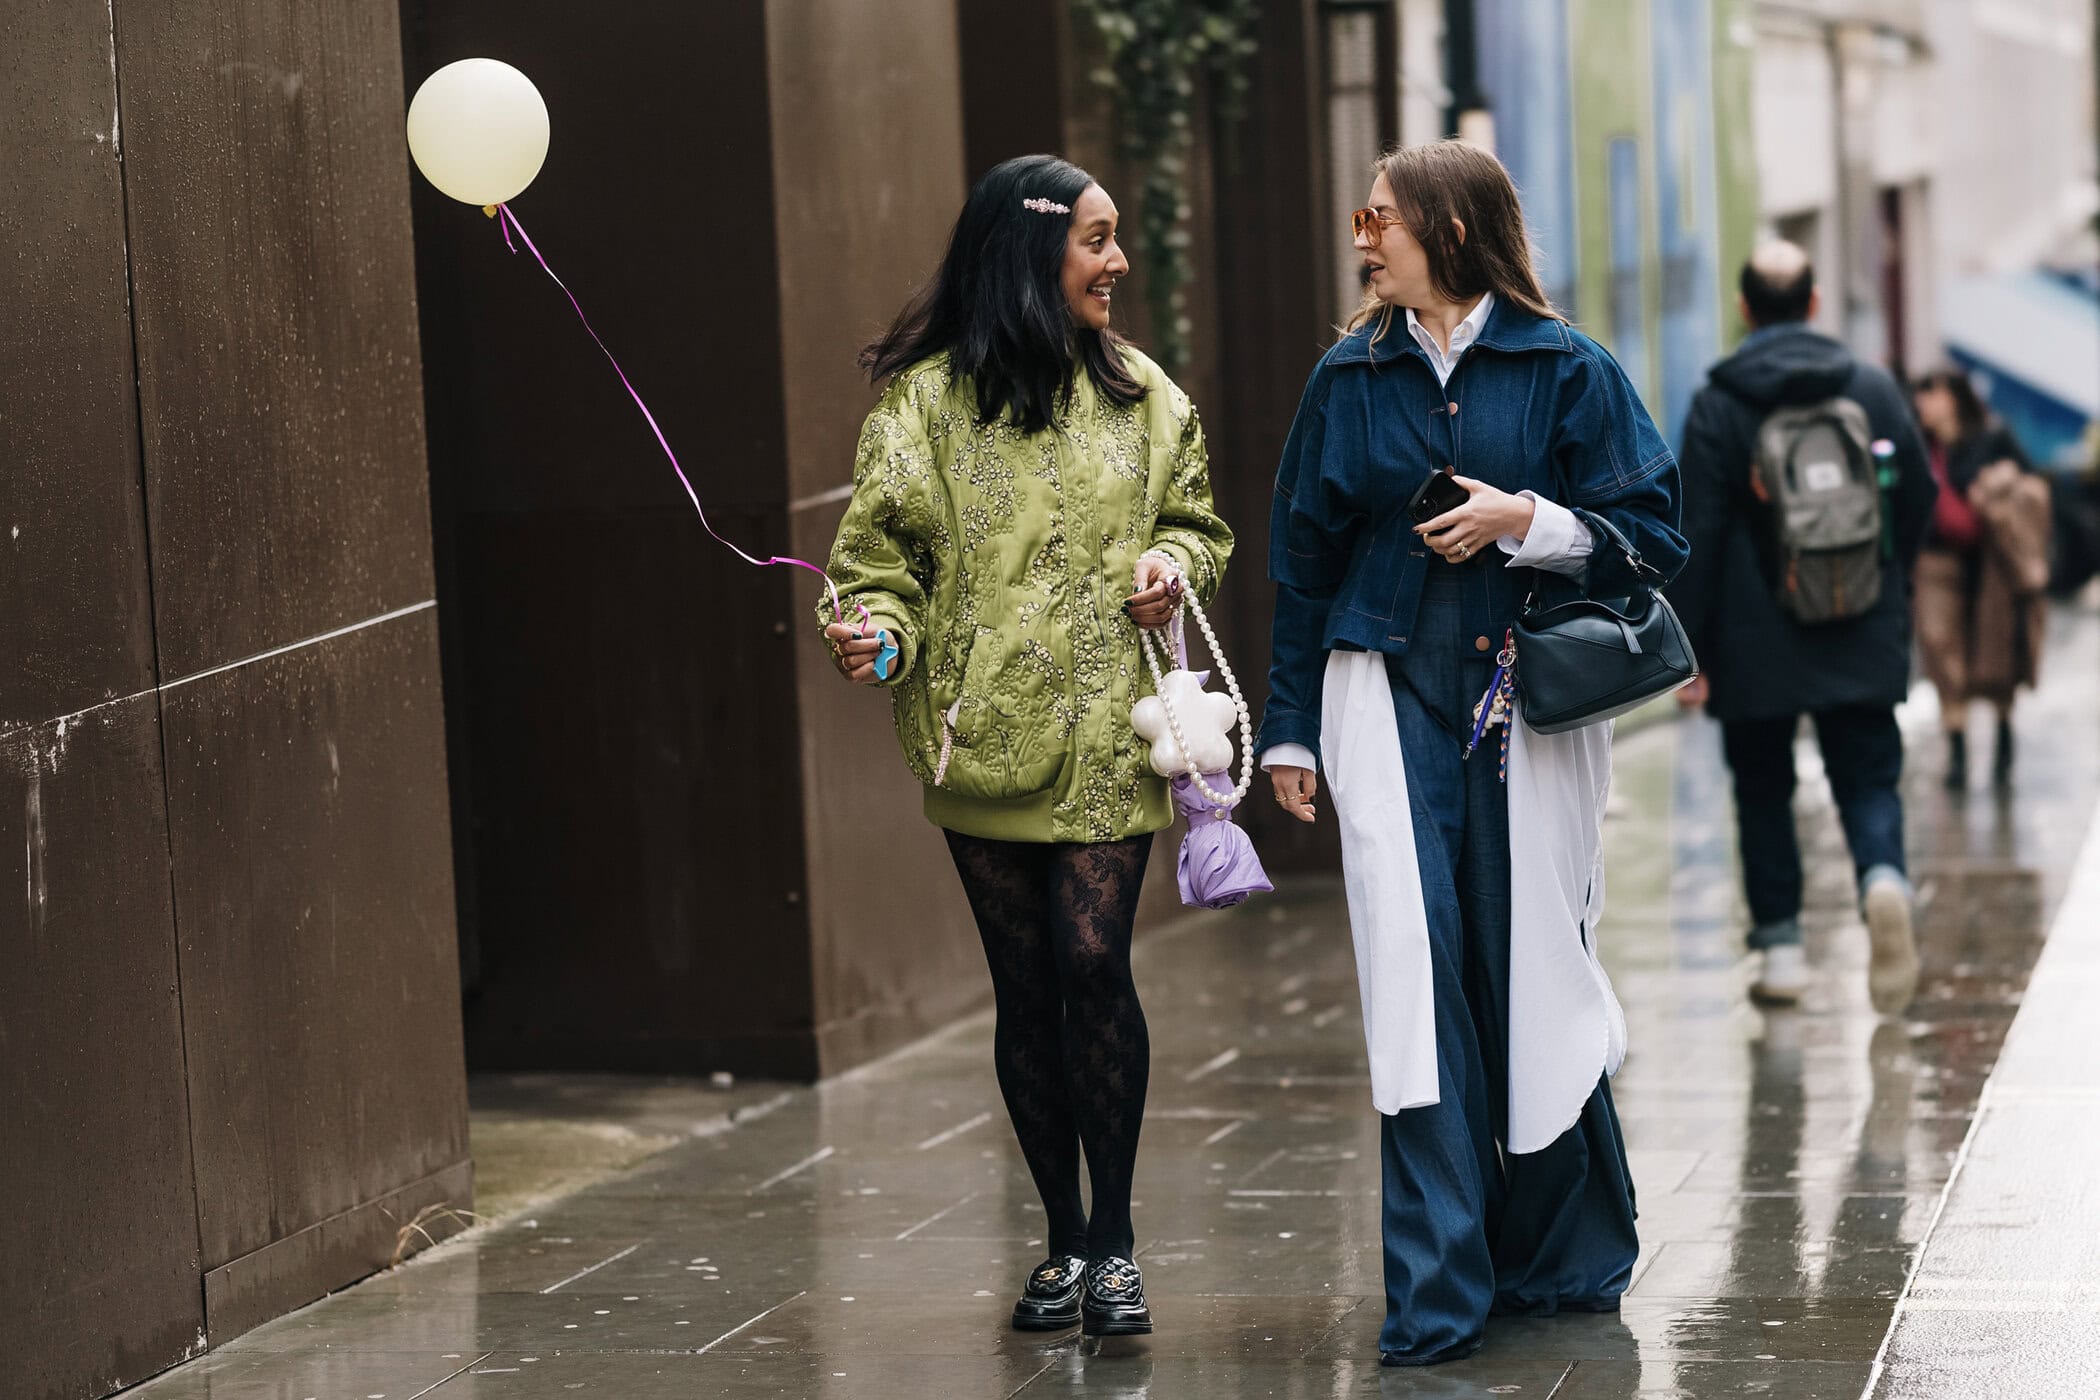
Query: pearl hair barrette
[(1046, 206)]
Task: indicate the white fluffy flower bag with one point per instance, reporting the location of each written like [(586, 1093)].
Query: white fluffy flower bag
[(1190, 730)]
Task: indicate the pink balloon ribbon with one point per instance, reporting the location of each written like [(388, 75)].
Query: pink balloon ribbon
[(509, 221)]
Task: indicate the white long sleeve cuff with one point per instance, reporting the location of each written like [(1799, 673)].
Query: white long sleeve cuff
[(1557, 541), (1288, 756)]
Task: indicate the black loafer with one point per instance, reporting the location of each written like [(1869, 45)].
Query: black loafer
[(1114, 1305), (1050, 1302)]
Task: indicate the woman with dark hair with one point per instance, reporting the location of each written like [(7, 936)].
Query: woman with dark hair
[(1473, 892), (1025, 463), (1980, 603)]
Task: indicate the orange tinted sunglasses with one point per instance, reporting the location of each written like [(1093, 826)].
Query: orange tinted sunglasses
[(1370, 221)]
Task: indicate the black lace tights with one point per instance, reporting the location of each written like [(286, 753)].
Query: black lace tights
[(1071, 1049)]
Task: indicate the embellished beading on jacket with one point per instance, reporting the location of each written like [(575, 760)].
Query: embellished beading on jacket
[(1000, 561)]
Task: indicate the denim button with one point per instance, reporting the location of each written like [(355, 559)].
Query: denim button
[(1481, 644)]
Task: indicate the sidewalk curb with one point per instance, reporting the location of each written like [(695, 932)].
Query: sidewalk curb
[(2048, 1063)]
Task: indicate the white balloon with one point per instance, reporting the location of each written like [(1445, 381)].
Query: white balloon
[(478, 130)]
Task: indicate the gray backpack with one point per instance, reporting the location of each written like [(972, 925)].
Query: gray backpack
[(1815, 466)]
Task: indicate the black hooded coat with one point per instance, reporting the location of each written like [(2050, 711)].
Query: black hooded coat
[(1762, 664)]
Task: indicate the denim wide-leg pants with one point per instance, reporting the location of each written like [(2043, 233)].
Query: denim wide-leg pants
[(1469, 1229)]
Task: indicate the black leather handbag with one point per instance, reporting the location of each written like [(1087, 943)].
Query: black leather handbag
[(1594, 659)]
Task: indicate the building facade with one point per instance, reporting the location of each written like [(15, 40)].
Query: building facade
[(1937, 159)]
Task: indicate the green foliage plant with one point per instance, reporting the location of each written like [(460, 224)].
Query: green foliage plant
[(1160, 60)]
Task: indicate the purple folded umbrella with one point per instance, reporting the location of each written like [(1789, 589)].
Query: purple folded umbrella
[(1218, 866)]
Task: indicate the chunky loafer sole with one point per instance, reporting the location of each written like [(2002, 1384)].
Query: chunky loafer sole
[(1132, 1320), (1047, 1314)]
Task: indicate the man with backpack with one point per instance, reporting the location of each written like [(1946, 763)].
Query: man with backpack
[(1806, 495)]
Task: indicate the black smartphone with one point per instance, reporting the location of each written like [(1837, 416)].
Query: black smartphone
[(1434, 497)]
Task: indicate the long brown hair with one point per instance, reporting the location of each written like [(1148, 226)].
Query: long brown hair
[(1441, 181)]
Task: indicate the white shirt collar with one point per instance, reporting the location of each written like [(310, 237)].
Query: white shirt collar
[(1462, 335)]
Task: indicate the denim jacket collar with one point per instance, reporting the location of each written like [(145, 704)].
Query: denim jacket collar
[(1509, 328)]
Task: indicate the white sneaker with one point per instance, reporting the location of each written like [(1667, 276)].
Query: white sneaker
[(1782, 975), (1892, 972)]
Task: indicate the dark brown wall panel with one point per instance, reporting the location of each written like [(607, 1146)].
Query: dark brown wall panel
[(75, 625), (875, 199), (100, 1287), (655, 206), (313, 892), (893, 947), (1013, 79), (619, 686), (1274, 322), (641, 906), (273, 276), (280, 398)]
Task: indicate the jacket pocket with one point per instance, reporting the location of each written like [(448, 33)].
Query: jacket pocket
[(999, 732)]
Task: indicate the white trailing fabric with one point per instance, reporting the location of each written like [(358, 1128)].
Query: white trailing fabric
[(1367, 780), (1566, 1029)]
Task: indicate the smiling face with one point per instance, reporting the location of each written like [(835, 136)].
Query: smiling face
[(1094, 262), (1399, 266)]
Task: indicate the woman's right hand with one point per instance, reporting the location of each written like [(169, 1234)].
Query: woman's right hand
[(1294, 789), (854, 653)]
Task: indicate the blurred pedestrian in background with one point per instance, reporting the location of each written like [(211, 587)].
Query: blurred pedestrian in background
[(1806, 492), (2077, 509), (1982, 578), (1024, 461)]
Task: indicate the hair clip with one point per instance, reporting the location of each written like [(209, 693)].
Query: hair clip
[(1046, 206)]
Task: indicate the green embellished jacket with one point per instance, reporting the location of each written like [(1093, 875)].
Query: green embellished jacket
[(1000, 560)]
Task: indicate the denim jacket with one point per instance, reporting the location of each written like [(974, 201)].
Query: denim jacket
[(1535, 405)]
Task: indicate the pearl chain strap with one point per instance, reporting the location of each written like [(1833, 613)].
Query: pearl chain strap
[(1146, 642)]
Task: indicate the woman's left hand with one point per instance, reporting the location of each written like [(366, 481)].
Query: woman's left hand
[(1158, 595), (1464, 531)]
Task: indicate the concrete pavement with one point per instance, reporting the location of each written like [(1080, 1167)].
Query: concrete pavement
[(1832, 1204)]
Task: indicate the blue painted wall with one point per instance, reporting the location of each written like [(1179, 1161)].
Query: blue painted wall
[(1524, 69), (1690, 332)]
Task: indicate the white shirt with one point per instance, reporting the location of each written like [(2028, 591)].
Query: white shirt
[(1462, 336), (1557, 541)]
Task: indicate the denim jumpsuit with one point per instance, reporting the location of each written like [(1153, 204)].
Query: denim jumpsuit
[(1469, 1228)]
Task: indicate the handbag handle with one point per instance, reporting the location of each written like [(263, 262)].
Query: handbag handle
[(1642, 570), (1223, 802)]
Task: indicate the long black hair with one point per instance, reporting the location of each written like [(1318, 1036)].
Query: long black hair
[(997, 305)]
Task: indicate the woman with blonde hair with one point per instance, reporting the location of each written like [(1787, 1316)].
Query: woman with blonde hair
[(1473, 893)]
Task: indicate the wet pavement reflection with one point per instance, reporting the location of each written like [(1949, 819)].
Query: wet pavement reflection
[(865, 1238)]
